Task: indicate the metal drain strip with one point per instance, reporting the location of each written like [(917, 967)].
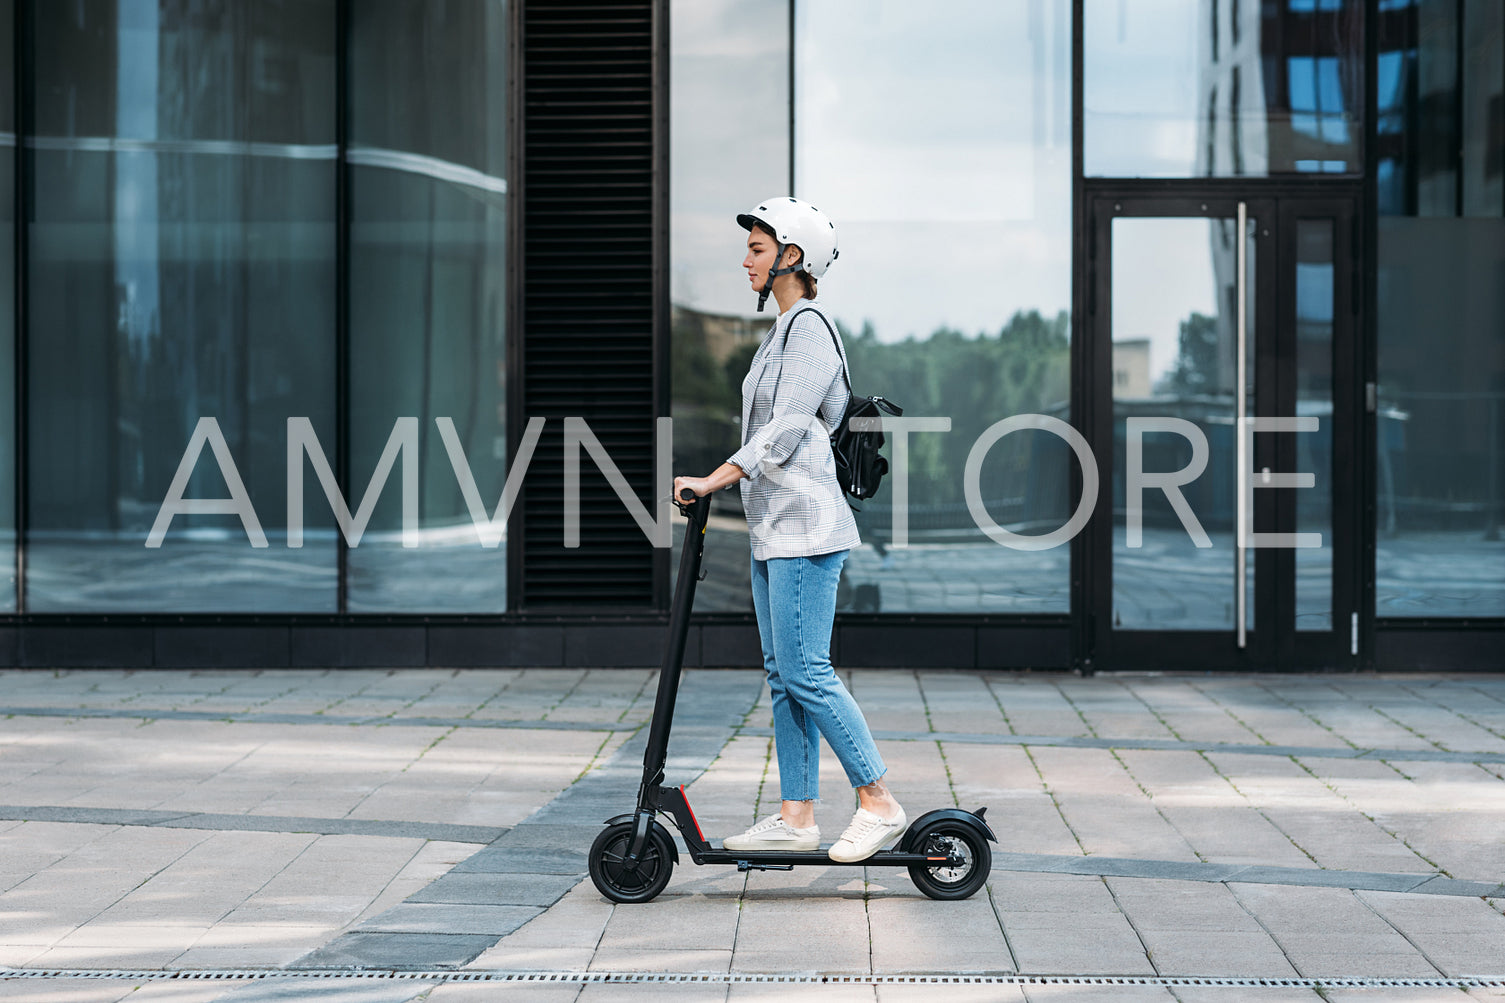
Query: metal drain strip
[(726, 978)]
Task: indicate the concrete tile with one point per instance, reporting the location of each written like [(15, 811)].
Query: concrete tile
[(1461, 936), (168, 992), (623, 959), (134, 935), (1052, 893), (958, 993), (752, 992), (496, 889), (483, 992), (1181, 905), (1312, 964), (821, 934), (420, 917), (1195, 952), (805, 958), (407, 950), (105, 957), (64, 991), (1071, 948), (683, 922), (925, 935), (669, 992), (576, 921), (509, 957)]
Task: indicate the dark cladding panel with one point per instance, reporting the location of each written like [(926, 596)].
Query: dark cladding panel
[(587, 244)]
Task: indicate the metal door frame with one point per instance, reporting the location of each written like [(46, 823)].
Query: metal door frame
[(1273, 643)]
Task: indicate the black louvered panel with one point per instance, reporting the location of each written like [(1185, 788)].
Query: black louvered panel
[(587, 193)]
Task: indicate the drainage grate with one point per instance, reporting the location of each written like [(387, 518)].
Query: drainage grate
[(726, 978)]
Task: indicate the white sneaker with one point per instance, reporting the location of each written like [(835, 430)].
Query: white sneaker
[(773, 833), (867, 834)]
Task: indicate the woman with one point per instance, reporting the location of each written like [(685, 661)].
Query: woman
[(801, 530)]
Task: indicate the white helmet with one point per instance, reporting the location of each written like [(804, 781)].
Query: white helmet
[(801, 224)]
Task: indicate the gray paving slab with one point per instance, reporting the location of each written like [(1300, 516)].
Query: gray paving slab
[(398, 951), (253, 823), (497, 889), (428, 917), (1132, 767), (711, 704)]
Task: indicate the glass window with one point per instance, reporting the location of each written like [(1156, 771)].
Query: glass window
[(1441, 249), (1441, 142), (729, 136), (428, 123), (7, 314), (1315, 283), (1289, 73), (1175, 355), (941, 147), (181, 267)]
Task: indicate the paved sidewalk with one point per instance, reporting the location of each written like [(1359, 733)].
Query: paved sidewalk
[(1342, 829)]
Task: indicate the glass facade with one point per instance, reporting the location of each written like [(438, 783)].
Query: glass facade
[(727, 54), (184, 267), (1222, 88), (224, 266), (954, 285), (428, 124), (1175, 364), (180, 267), (1440, 172)]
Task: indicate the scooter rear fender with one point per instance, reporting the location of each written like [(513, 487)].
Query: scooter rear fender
[(667, 835), (907, 841)]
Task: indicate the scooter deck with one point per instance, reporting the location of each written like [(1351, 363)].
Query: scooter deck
[(783, 858)]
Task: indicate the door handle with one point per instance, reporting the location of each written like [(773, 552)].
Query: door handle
[(1240, 403)]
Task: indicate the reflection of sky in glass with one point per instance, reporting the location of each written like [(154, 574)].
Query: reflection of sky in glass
[(941, 147), (729, 136), (1314, 290), (1389, 76), (1139, 96), (1162, 273), (1317, 98)]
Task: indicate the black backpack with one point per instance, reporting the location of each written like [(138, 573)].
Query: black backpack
[(859, 465)]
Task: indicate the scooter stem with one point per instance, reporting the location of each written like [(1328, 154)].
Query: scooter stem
[(656, 752)]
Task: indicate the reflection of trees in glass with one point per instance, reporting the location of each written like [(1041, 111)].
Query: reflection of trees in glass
[(975, 381), (1198, 368)]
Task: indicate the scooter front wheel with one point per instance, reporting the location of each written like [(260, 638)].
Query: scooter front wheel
[(609, 866), (962, 843)]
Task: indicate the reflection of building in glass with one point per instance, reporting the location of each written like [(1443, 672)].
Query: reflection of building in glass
[(1279, 87), (1131, 367)]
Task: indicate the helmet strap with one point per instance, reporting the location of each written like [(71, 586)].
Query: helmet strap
[(774, 273)]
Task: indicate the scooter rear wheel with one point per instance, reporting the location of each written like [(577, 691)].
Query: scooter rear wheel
[(608, 863), (952, 881)]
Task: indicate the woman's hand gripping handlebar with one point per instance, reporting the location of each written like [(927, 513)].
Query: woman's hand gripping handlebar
[(693, 507)]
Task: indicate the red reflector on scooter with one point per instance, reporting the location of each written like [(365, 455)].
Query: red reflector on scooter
[(692, 814)]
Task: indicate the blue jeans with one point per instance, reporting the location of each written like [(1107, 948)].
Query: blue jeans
[(795, 599)]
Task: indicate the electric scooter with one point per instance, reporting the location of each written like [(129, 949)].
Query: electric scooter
[(946, 850)]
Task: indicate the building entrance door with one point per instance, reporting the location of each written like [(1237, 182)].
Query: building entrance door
[(1224, 418)]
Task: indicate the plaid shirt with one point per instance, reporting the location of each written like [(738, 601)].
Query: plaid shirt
[(794, 505)]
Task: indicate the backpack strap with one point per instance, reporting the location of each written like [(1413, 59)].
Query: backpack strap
[(841, 356)]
